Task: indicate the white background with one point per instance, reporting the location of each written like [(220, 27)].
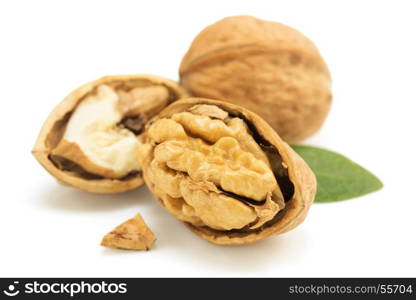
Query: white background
[(48, 48)]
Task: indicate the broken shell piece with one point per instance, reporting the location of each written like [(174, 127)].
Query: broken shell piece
[(224, 172), (91, 139), (131, 235)]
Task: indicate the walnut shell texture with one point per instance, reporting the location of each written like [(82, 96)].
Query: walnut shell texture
[(71, 171), (224, 172), (267, 67)]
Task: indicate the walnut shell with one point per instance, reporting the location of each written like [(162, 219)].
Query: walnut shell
[(136, 103), (132, 234), (224, 172), (267, 67)]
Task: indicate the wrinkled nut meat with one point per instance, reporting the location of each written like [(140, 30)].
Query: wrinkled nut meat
[(133, 234), (267, 67), (91, 139), (225, 172)]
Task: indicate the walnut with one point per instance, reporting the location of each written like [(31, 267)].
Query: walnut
[(224, 172), (91, 139), (264, 66), (133, 234)]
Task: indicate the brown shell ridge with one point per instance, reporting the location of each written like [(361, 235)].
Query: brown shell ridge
[(217, 56)]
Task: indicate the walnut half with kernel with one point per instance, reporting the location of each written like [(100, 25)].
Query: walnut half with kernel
[(91, 139), (224, 172)]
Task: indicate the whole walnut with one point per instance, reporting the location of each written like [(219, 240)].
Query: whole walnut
[(267, 67)]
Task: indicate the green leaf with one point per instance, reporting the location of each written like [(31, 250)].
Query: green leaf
[(338, 177)]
